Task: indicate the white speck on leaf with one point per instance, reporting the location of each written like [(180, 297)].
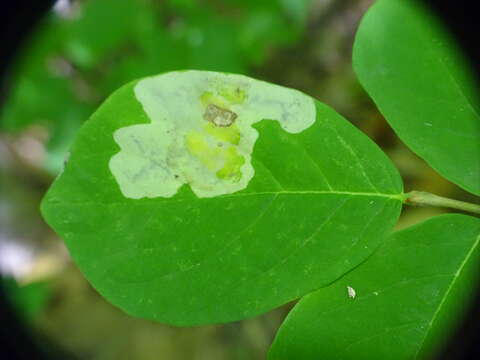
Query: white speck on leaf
[(351, 292), (428, 124)]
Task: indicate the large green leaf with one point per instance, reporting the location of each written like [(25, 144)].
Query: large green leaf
[(414, 72), (269, 214), (409, 297)]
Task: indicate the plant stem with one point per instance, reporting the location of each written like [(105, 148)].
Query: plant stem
[(422, 198)]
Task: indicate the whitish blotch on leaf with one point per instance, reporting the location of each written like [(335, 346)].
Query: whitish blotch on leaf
[(200, 132)]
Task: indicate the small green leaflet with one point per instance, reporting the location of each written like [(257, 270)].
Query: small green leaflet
[(416, 75), (271, 195), (410, 295)]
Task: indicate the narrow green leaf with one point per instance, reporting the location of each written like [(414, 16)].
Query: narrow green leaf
[(404, 301), (416, 75), (174, 218)]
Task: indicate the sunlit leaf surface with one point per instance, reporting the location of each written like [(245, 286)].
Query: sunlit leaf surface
[(319, 202)]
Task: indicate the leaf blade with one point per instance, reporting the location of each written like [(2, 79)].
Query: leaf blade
[(191, 260), (409, 298), (423, 87)]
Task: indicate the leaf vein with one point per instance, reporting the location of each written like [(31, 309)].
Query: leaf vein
[(452, 283), (355, 155)]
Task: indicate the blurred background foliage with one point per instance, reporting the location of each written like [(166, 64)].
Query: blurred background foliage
[(81, 52)]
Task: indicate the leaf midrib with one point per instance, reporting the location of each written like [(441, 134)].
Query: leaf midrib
[(400, 197)]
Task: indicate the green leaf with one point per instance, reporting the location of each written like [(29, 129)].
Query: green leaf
[(174, 218), (412, 69), (410, 295)]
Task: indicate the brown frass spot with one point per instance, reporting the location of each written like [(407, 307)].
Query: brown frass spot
[(219, 116)]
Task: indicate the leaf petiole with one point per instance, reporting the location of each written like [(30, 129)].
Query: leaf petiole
[(422, 198)]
